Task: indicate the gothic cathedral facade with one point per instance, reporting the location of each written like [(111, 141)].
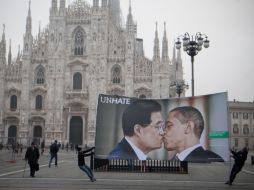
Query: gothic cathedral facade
[(50, 90)]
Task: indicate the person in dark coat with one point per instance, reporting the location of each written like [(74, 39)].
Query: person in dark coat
[(32, 156), (81, 162), (240, 158), (53, 152)]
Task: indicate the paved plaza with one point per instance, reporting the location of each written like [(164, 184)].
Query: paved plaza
[(68, 176)]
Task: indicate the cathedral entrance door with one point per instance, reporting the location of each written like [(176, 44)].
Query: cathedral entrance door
[(12, 134), (37, 134), (76, 130)]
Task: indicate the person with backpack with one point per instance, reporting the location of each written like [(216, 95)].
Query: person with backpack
[(53, 152)]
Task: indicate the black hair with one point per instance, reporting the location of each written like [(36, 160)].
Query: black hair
[(138, 112), (189, 113)]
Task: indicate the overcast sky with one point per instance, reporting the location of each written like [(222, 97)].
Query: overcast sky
[(227, 65)]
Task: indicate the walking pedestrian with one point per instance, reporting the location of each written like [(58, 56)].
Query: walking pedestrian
[(76, 148), (81, 162), (42, 147), (32, 156), (240, 158), (1, 146), (21, 148), (67, 146), (53, 152)]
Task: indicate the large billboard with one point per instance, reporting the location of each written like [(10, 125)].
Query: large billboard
[(193, 129)]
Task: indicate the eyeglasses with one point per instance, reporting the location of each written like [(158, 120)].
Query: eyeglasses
[(160, 126)]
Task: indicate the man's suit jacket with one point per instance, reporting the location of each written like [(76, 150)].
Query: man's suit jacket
[(32, 155), (122, 150), (201, 155)]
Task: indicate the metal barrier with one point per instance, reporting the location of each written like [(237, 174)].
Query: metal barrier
[(143, 166)]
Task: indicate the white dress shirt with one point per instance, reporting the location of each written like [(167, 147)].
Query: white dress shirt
[(182, 155)]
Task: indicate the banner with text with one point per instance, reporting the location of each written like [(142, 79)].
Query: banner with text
[(193, 129)]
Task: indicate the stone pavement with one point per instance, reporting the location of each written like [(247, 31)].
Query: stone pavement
[(68, 176)]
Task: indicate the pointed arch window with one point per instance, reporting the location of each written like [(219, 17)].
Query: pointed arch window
[(77, 81), (13, 102), (40, 75), (38, 102), (79, 41), (116, 75)]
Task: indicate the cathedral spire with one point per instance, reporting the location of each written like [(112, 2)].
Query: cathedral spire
[(3, 35), (62, 4), (62, 8), (165, 58), (39, 27), (3, 47), (39, 31), (29, 20), (53, 9), (54, 4), (130, 23), (129, 6), (9, 55), (19, 54), (156, 48), (29, 9), (96, 3), (115, 12), (104, 3), (28, 37)]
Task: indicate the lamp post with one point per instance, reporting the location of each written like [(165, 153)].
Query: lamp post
[(192, 45), (180, 86)]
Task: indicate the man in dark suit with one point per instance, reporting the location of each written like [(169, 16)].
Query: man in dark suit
[(142, 125), (240, 157), (54, 148), (32, 156), (183, 130)]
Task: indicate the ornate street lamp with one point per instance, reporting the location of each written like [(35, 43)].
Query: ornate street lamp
[(192, 46), (179, 86)]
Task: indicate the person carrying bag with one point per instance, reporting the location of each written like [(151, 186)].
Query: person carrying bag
[(32, 156)]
